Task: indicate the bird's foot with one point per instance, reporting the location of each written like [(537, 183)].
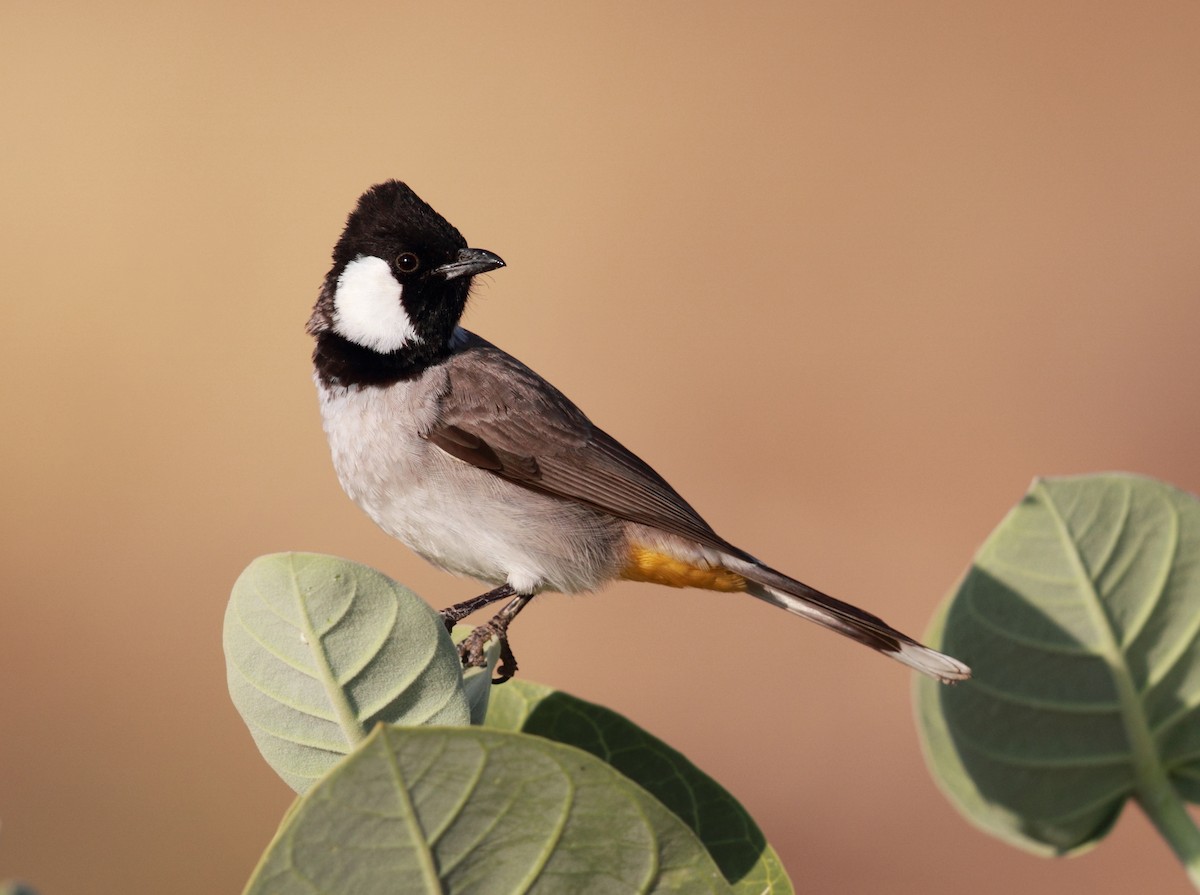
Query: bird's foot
[(472, 650)]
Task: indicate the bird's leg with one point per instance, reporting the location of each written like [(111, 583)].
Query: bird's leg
[(471, 649), (452, 615)]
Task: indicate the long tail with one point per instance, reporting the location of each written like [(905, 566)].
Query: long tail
[(800, 599)]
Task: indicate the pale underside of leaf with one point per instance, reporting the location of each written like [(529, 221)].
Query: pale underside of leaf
[(319, 650), (470, 810)]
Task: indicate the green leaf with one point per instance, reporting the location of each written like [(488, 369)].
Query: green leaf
[(319, 649), (470, 810), (1079, 619), (731, 836)]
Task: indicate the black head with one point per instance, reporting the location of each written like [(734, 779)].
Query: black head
[(397, 288)]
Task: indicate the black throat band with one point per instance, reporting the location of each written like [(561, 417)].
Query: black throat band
[(339, 361)]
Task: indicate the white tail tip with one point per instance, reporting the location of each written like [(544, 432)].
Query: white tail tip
[(937, 665)]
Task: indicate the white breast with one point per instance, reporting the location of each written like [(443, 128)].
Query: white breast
[(458, 517)]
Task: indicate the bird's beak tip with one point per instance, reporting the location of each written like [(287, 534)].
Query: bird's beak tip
[(470, 262)]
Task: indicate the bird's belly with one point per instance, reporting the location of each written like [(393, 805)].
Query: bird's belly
[(478, 525)]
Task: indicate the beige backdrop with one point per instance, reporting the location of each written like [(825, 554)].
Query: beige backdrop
[(850, 275)]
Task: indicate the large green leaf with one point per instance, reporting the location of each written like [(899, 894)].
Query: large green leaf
[(1079, 619), (748, 863), (319, 649), (472, 810)]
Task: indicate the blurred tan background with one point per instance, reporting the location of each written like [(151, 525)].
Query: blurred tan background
[(849, 275)]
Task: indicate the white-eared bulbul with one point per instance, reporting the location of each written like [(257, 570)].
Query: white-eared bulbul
[(484, 468)]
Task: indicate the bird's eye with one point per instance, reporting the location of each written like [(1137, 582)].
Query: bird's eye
[(407, 262)]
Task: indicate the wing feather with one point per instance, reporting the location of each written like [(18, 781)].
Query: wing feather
[(500, 416)]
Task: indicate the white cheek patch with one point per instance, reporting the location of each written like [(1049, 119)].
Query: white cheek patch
[(367, 309)]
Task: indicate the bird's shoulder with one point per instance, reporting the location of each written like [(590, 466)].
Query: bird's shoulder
[(490, 393)]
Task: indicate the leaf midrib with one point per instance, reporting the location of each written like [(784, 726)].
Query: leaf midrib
[(346, 716), (408, 814), (1146, 765)]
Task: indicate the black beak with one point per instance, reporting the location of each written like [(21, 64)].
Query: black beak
[(468, 263)]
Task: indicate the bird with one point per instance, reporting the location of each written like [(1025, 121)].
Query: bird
[(483, 468)]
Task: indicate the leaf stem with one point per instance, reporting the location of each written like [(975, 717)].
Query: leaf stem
[(1166, 810)]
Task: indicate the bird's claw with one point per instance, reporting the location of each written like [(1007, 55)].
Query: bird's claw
[(472, 649)]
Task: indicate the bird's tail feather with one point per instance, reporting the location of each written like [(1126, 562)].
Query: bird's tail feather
[(800, 599)]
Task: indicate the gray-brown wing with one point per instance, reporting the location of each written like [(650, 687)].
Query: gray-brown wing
[(500, 416)]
